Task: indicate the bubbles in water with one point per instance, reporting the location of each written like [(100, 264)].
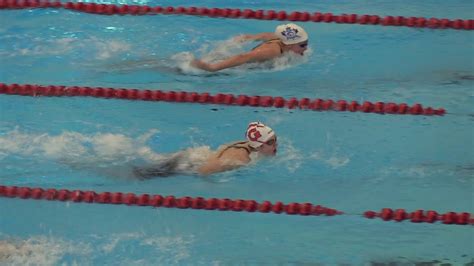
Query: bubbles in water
[(41, 251), (101, 48), (109, 153), (176, 248), (290, 156), (73, 146), (167, 249), (183, 62), (334, 160), (109, 48)]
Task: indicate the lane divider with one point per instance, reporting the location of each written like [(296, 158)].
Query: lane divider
[(220, 98), (166, 201), (238, 205), (108, 9), (421, 216)]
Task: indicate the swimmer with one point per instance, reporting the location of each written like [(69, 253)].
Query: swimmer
[(286, 38), (261, 141)]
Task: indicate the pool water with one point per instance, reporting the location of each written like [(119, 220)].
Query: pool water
[(348, 161)]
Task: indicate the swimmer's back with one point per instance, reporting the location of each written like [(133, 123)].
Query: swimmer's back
[(227, 157)]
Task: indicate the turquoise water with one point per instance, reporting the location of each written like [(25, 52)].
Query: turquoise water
[(349, 161)]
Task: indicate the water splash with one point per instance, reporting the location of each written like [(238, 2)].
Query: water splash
[(168, 249), (101, 49), (176, 248), (333, 160), (73, 147), (291, 157), (41, 250), (111, 154)]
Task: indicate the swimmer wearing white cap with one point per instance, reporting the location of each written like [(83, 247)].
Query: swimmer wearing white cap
[(286, 38), (261, 141)]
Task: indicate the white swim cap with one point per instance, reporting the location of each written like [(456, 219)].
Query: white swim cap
[(257, 134), (291, 33)]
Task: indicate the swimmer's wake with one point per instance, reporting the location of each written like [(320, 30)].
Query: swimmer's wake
[(114, 155)]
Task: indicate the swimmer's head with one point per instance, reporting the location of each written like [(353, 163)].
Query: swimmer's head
[(293, 36), (262, 138)]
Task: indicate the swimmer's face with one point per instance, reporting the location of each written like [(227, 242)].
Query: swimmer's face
[(269, 148), (299, 48)]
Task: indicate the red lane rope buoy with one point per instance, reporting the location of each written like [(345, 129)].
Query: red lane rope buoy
[(108, 9), (220, 98), (421, 216), (198, 203), (238, 205)]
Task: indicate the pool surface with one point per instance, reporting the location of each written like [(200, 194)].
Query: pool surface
[(352, 162)]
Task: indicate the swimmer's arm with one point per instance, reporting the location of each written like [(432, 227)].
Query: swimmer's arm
[(228, 161), (265, 36), (237, 60)]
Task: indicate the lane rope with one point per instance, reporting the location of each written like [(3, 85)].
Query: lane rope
[(109, 9), (220, 99), (215, 204)]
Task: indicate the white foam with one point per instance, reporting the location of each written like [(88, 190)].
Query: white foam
[(291, 157), (111, 154), (41, 250), (417, 171), (176, 248), (103, 49), (108, 48), (74, 147), (193, 158), (334, 160), (115, 239), (183, 62), (168, 249)]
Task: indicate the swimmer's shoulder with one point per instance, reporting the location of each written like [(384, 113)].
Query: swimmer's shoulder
[(236, 150), (227, 157)]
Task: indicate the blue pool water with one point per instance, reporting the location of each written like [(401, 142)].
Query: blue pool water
[(349, 161)]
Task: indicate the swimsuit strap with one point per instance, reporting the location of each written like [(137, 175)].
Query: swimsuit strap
[(277, 41), (237, 145)]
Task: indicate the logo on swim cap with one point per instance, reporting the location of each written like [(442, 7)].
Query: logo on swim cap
[(253, 134), (257, 134), (291, 33)]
